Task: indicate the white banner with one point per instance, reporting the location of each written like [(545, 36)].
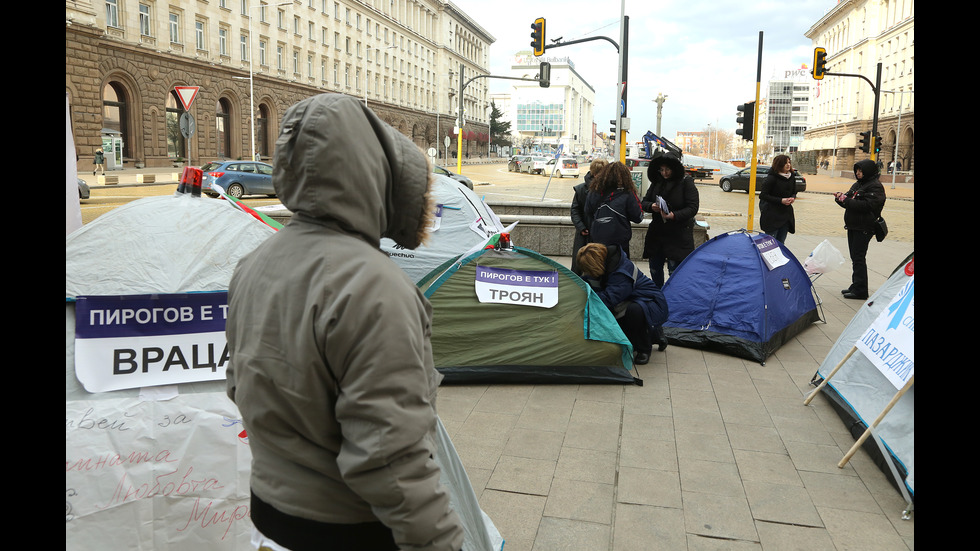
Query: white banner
[(889, 342), (156, 475), (137, 341)]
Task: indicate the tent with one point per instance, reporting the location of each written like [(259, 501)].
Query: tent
[(518, 316), (167, 466), (860, 391), (739, 294), (462, 222)]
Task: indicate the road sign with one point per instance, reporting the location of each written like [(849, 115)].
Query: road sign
[(186, 94), (187, 124)]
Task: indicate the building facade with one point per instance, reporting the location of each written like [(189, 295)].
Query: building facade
[(542, 119), (125, 58), (787, 108), (858, 36)]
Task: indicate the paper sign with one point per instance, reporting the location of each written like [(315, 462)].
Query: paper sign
[(520, 287), (771, 253), (889, 342), (136, 341), (156, 475)]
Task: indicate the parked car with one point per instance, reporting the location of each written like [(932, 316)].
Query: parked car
[(514, 164), (534, 165), (562, 167), (238, 178), (740, 179), (458, 177), (83, 191)]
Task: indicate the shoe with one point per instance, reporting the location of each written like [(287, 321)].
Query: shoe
[(642, 358), (855, 296), (845, 291), (661, 339)]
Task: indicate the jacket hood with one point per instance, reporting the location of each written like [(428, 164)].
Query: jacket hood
[(340, 164), (869, 170), (669, 160)]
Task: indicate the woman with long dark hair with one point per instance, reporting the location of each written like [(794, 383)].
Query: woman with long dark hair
[(776, 197), (614, 207)]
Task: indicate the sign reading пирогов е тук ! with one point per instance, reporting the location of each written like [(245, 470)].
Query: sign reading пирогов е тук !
[(520, 287)]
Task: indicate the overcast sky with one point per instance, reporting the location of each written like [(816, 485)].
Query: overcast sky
[(701, 54)]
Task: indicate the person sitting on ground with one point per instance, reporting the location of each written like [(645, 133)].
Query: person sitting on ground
[(638, 304)]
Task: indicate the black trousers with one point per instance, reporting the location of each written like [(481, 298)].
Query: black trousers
[(634, 325), (299, 534), (857, 247)]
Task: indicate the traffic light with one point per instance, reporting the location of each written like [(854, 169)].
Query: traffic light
[(866, 141), (877, 142), (537, 36), (819, 63), (747, 120), (544, 74), (612, 126)]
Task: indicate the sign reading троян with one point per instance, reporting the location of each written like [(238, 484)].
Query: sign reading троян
[(518, 287), (134, 341)]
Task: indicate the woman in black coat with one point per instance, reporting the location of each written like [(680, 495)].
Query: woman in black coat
[(862, 206), (674, 201), (614, 207), (580, 218), (776, 197)]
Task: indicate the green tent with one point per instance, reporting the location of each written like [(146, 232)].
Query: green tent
[(519, 317)]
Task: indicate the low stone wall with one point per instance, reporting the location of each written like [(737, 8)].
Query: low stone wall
[(547, 227)]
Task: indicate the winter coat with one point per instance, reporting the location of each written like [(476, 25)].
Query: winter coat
[(330, 359), (622, 281), (865, 200), (580, 219), (99, 157), (674, 238), (773, 213), (613, 215)]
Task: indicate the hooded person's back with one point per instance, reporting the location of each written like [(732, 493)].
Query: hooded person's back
[(330, 361)]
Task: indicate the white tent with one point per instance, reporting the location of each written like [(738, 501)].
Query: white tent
[(167, 467), (463, 221), (861, 392)]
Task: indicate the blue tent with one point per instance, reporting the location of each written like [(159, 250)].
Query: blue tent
[(740, 294)]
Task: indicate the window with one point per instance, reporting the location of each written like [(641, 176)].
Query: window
[(262, 52), (199, 35), (243, 39), (222, 41), (174, 28), (144, 20), (112, 13), (279, 59)]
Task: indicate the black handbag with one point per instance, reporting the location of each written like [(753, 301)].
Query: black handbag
[(881, 229)]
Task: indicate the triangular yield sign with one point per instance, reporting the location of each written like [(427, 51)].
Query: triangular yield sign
[(187, 95)]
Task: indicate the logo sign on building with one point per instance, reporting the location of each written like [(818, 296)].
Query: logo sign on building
[(136, 341), (519, 287), (187, 94), (889, 342)]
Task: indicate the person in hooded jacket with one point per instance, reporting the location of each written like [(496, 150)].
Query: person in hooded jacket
[(330, 360), (580, 218), (636, 301), (862, 205), (776, 197), (614, 207), (670, 237)]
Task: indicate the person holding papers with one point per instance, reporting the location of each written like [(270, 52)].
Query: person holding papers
[(674, 201)]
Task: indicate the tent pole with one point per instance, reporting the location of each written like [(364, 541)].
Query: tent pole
[(881, 416), (826, 380)]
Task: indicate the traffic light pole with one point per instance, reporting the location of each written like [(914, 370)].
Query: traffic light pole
[(876, 88), (755, 131), (542, 79)]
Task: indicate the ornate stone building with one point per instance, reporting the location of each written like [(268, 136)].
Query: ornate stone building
[(858, 35), (125, 58)]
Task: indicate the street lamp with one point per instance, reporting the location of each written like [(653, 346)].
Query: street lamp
[(251, 72)]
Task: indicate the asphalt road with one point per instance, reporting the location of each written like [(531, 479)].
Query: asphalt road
[(816, 212)]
